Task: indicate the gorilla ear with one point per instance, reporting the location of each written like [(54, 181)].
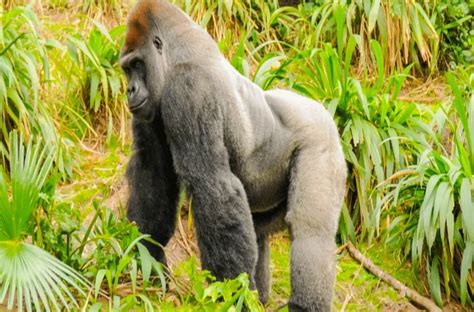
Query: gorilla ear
[(158, 44)]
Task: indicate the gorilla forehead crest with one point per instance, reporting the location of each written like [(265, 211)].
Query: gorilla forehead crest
[(149, 13), (139, 23), (151, 19)]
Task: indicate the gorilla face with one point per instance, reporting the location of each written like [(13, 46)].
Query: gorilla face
[(145, 68)]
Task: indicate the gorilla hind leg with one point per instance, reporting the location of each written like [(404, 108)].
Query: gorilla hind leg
[(266, 223), (317, 184), (262, 271)]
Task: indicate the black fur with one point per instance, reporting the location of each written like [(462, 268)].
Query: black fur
[(152, 184)]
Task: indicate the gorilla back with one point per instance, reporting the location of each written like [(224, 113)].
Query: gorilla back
[(255, 162)]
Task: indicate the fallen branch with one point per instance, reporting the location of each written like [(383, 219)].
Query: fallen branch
[(405, 291)]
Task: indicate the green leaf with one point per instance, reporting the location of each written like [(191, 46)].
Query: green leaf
[(146, 260), (466, 202), (440, 210), (339, 15), (374, 12), (35, 278), (264, 71), (362, 98), (103, 30), (98, 281), (94, 101), (406, 113), (466, 265), (434, 282), (377, 50), (426, 210), (348, 57), (158, 267), (133, 275), (96, 307)]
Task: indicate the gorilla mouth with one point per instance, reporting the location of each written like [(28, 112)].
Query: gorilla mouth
[(138, 106)]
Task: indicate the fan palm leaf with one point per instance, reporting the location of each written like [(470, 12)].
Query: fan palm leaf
[(29, 276)]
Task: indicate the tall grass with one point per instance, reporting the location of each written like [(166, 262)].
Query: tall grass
[(98, 92), (441, 235), (403, 28), (23, 63), (24, 75)]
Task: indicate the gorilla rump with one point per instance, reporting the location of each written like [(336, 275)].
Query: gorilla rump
[(254, 161)]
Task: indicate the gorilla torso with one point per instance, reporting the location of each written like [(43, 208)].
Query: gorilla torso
[(263, 133)]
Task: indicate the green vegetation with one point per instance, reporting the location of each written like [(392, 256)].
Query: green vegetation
[(30, 276), (397, 76)]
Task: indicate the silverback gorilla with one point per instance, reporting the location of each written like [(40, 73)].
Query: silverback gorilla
[(254, 161)]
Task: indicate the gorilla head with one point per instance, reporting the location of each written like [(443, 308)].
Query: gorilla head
[(144, 61), (158, 37)]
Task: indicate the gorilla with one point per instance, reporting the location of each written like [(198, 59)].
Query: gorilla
[(255, 162)]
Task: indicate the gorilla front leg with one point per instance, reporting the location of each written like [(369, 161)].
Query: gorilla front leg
[(222, 218), (193, 111), (152, 185), (224, 227)]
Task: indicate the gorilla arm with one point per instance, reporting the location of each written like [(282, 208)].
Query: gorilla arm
[(193, 111), (152, 185)]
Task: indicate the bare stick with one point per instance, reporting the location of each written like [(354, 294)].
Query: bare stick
[(405, 291)]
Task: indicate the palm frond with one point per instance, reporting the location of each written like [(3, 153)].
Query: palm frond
[(32, 278), (29, 276), (29, 167)]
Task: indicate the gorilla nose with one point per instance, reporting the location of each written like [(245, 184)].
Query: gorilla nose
[(132, 90)]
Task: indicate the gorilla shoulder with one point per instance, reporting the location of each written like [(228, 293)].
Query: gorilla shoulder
[(202, 86)]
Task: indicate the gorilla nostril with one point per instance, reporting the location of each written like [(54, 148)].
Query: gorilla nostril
[(132, 90)]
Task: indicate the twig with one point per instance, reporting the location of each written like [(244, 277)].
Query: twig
[(341, 248), (346, 301), (417, 99), (184, 243), (281, 307), (399, 174), (405, 291)]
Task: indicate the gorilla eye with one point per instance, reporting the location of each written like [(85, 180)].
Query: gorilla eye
[(158, 44), (137, 65)]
